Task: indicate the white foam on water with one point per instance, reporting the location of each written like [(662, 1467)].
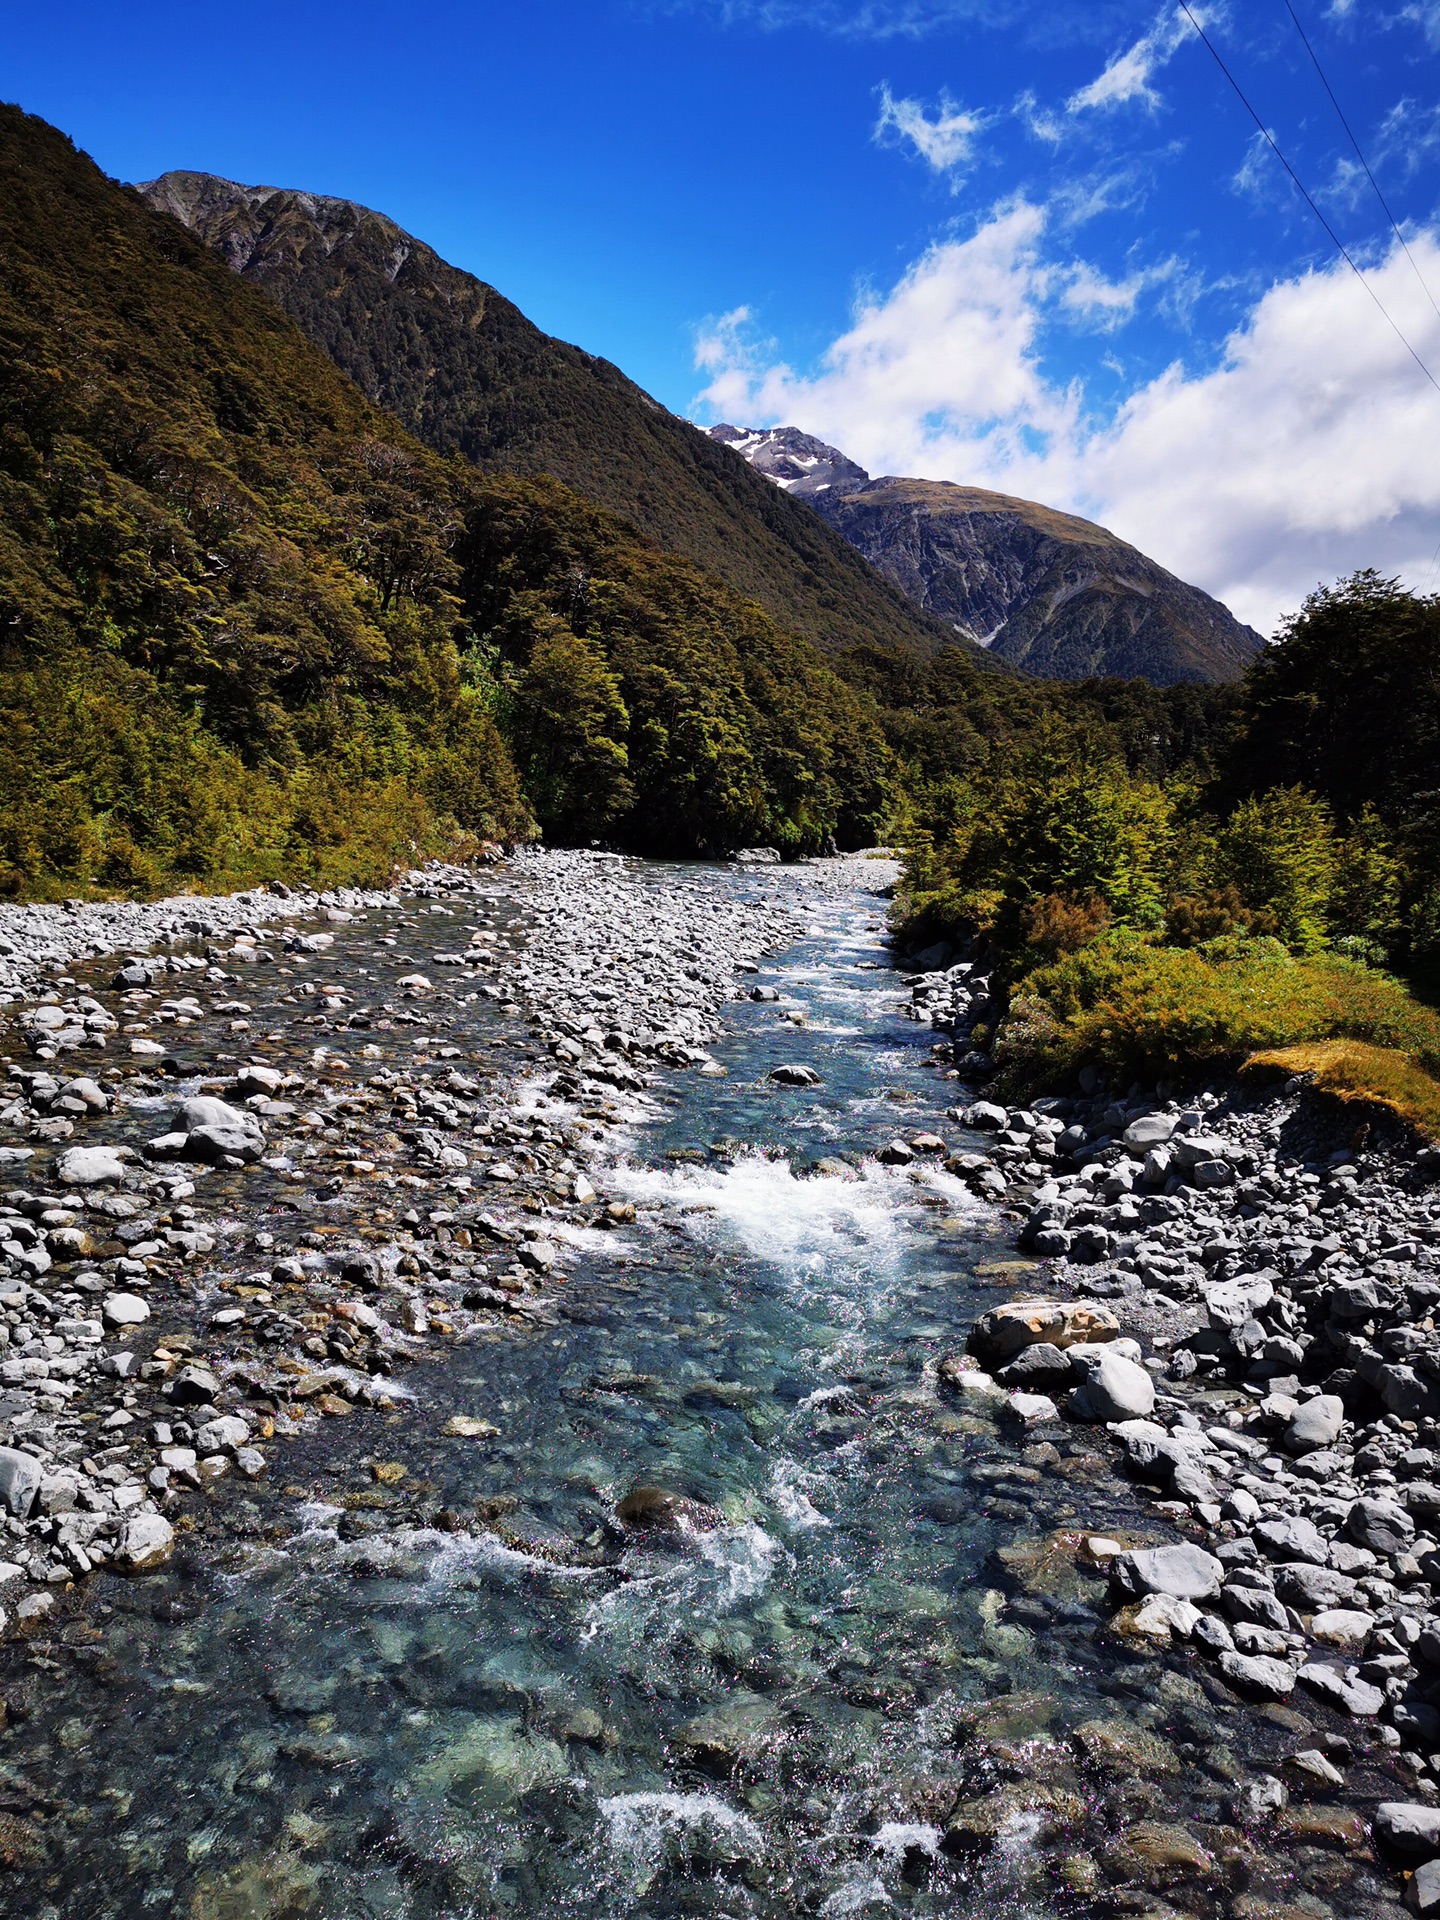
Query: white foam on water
[(898, 1837), (788, 1484), (866, 1890), (803, 1224), (717, 1572), (639, 1823)]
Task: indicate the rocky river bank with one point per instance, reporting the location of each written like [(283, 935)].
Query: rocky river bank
[(276, 1162)]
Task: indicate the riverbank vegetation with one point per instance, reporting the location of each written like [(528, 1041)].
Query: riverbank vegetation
[(1166, 907)]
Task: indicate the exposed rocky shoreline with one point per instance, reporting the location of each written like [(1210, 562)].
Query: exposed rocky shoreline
[(1242, 1288)]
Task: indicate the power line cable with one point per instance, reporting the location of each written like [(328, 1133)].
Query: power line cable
[(1305, 194), (1359, 155)]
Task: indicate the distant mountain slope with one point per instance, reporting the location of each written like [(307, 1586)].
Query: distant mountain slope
[(465, 371), (1045, 591)]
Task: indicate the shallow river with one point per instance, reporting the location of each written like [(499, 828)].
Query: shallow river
[(774, 1717)]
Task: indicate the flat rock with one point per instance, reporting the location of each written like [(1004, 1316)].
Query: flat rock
[(1291, 1538), (1408, 1828), (1182, 1571), (1352, 1696)]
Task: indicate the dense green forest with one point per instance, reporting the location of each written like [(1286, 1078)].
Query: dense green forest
[(249, 628)]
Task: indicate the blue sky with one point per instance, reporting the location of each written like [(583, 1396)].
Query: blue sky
[(1033, 246)]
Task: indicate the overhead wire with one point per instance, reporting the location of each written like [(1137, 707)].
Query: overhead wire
[(1305, 193), (1359, 155)]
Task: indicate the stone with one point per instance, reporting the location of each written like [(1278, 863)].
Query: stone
[(1230, 1303), (1291, 1538), (90, 1167), (1005, 1331), (985, 1117), (1159, 1854), (1311, 1589), (1259, 1673), (192, 1386), (1353, 1696), (1040, 1368), (148, 1541), (1381, 1525), (1316, 1425), (220, 1144), (20, 1477), (1113, 1388), (1160, 1616), (1150, 1130), (1422, 1893), (1182, 1571), (658, 1510), (125, 1310), (465, 1426), (1343, 1627), (1408, 1829), (793, 1075), (219, 1435)]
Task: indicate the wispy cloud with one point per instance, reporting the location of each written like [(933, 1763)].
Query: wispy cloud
[(851, 19), (1129, 74), (946, 142), (1409, 136)]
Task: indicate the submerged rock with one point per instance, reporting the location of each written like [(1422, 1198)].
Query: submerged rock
[(658, 1510)]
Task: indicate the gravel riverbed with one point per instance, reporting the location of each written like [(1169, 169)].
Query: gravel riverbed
[(253, 1184)]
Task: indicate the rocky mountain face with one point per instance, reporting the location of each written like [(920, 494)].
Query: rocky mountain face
[(467, 372), (1048, 592)]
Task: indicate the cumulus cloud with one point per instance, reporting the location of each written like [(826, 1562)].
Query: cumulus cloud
[(1129, 74), (1306, 451), (945, 143)]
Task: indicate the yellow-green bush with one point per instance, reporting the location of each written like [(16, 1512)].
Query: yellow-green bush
[(1147, 1011)]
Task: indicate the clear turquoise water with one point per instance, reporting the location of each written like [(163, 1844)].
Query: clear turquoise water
[(770, 1718)]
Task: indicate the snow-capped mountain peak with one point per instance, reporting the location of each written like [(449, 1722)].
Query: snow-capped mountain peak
[(796, 461)]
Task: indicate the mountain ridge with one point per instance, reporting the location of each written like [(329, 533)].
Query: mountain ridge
[(1045, 591), (465, 370)]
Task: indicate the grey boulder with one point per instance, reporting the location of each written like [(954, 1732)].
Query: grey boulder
[(1408, 1829), (90, 1167), (1112, 1387), (20, 1475), (1381, 1525), (1316, 1425)]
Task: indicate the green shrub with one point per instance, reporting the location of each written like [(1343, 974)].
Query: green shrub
[(1150, 1012)]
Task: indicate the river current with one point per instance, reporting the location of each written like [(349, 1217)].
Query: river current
[(775, 1716)]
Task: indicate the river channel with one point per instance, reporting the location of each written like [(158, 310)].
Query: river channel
[(777, 1715)]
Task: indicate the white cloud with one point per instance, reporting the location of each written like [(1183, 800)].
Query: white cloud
[(946, 143), (1307, 451), (1128, 75)]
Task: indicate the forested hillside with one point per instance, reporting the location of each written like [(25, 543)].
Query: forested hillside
[(252, 628), (466, 372)]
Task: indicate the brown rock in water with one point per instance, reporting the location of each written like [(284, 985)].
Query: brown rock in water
[(657, 1510), (1004, 1331), (1157, 1855), (20, 1843)]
